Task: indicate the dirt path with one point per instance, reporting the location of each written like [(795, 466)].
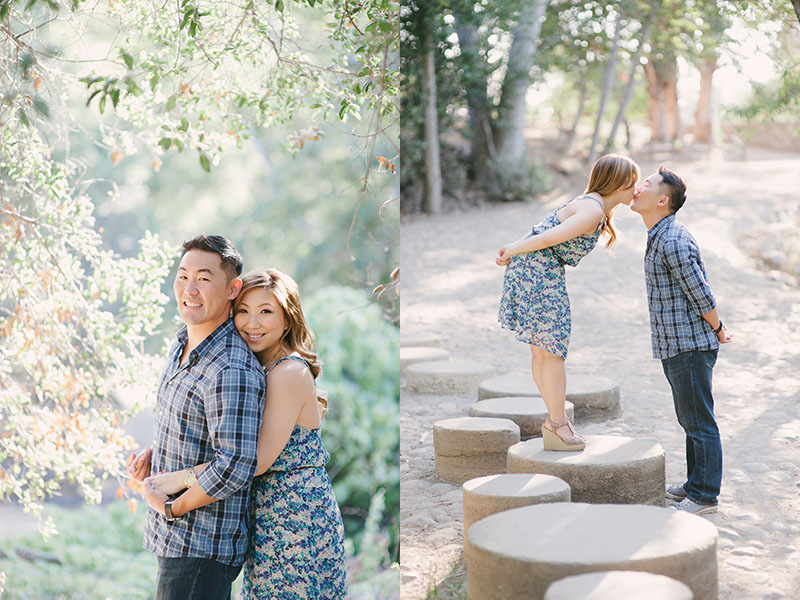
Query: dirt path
[(452, 288)]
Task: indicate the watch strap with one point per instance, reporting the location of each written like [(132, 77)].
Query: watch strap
[(168, 511)]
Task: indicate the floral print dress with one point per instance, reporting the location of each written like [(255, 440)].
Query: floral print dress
[(297, 537), (535, 304)]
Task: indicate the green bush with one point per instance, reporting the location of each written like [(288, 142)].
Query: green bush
[(361, 373)]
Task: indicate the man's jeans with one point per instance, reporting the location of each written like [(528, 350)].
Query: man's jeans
[(689, 376), (194, 579)]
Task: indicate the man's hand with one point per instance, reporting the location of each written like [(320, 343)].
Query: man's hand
[(139, 466), (723, 336), (153, 497)]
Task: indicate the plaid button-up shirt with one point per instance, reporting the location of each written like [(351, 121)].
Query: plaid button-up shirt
[(208, 410), (677, 291)]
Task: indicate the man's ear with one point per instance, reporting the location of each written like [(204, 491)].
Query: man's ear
[(663, 200), (235, 287)]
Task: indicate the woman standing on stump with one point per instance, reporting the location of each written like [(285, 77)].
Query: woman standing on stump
[(535, 304)]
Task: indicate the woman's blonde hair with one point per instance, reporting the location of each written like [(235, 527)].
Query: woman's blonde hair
[(609, 173), (298, 336)]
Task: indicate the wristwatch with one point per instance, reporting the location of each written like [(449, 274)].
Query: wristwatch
[(191, 478), (168, 511)]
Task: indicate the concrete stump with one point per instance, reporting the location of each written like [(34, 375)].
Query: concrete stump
[(517, 554), (612, 469), (492, 494), (528, 412), (447, 376), (615, 585), (420, 339), (469, 447), (414, 354), (593, 397)]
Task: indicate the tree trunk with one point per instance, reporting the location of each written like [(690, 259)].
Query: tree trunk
[(608, 80), (432, 202), (510, 126), (581, 103), (480, 170), (703, 115), (631, 77), (662, 99), (796, 5)]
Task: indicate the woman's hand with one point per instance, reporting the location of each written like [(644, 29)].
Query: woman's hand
[(154, 498), (139, 466), (168, 483), (504, 256)]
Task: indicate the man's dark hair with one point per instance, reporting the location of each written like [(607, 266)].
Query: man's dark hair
[(676, 188), (230, 257)]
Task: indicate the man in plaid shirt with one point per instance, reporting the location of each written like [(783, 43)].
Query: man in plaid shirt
[(685, 332), (209, 405)]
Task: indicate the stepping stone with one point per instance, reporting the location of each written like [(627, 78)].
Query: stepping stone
[(612, 469), (469, 447), (420, 339), (593, 397), (614, 585), (414, 354), (518, 553), (447, 376), (488, 495), (529, 412)]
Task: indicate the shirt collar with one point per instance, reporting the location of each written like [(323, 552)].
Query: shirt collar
[(201, 348), (660, 225)]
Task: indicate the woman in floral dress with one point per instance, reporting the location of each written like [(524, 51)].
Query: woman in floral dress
[(535, 304), (297, 536)]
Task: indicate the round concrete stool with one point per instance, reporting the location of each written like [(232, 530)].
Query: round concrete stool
[(414, 354), (447, 376), (420, 339), (528, 412), (613, 469), (492, 494), (518, 553), (615, 585), (468, 447), (592, 396)]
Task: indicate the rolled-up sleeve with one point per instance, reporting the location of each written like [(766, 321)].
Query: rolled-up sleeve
[(686, 268), (233, 413)]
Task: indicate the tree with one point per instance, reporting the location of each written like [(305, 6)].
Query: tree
[(176, 77)]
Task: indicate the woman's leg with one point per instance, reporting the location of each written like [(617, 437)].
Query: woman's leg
[(551, 379)]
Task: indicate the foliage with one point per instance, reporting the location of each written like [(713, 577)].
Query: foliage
[(360, 353), (158, 79), (102, 558)]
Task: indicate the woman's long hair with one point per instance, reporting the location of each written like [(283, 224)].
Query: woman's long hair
[(609, 173), (298, 336)]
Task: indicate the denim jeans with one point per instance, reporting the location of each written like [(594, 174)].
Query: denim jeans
[(689, 376), (189, 578)]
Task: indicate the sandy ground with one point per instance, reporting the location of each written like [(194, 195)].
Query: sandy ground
[(451, 287)]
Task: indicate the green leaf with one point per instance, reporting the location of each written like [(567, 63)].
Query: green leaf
[(24, 118), (178, 144), (102, 104), (92, 95), (165, 143), (205, 163), (186, 16), (193, 28), (184, 124), (279, 5), (128, 59), (154, 82), (171, 101), (115, 97)]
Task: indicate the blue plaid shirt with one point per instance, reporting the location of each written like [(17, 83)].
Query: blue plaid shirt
[(677, 291), (208, 410)]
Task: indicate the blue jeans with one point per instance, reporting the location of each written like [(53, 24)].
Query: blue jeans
[(689, 376), (189, 578)]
